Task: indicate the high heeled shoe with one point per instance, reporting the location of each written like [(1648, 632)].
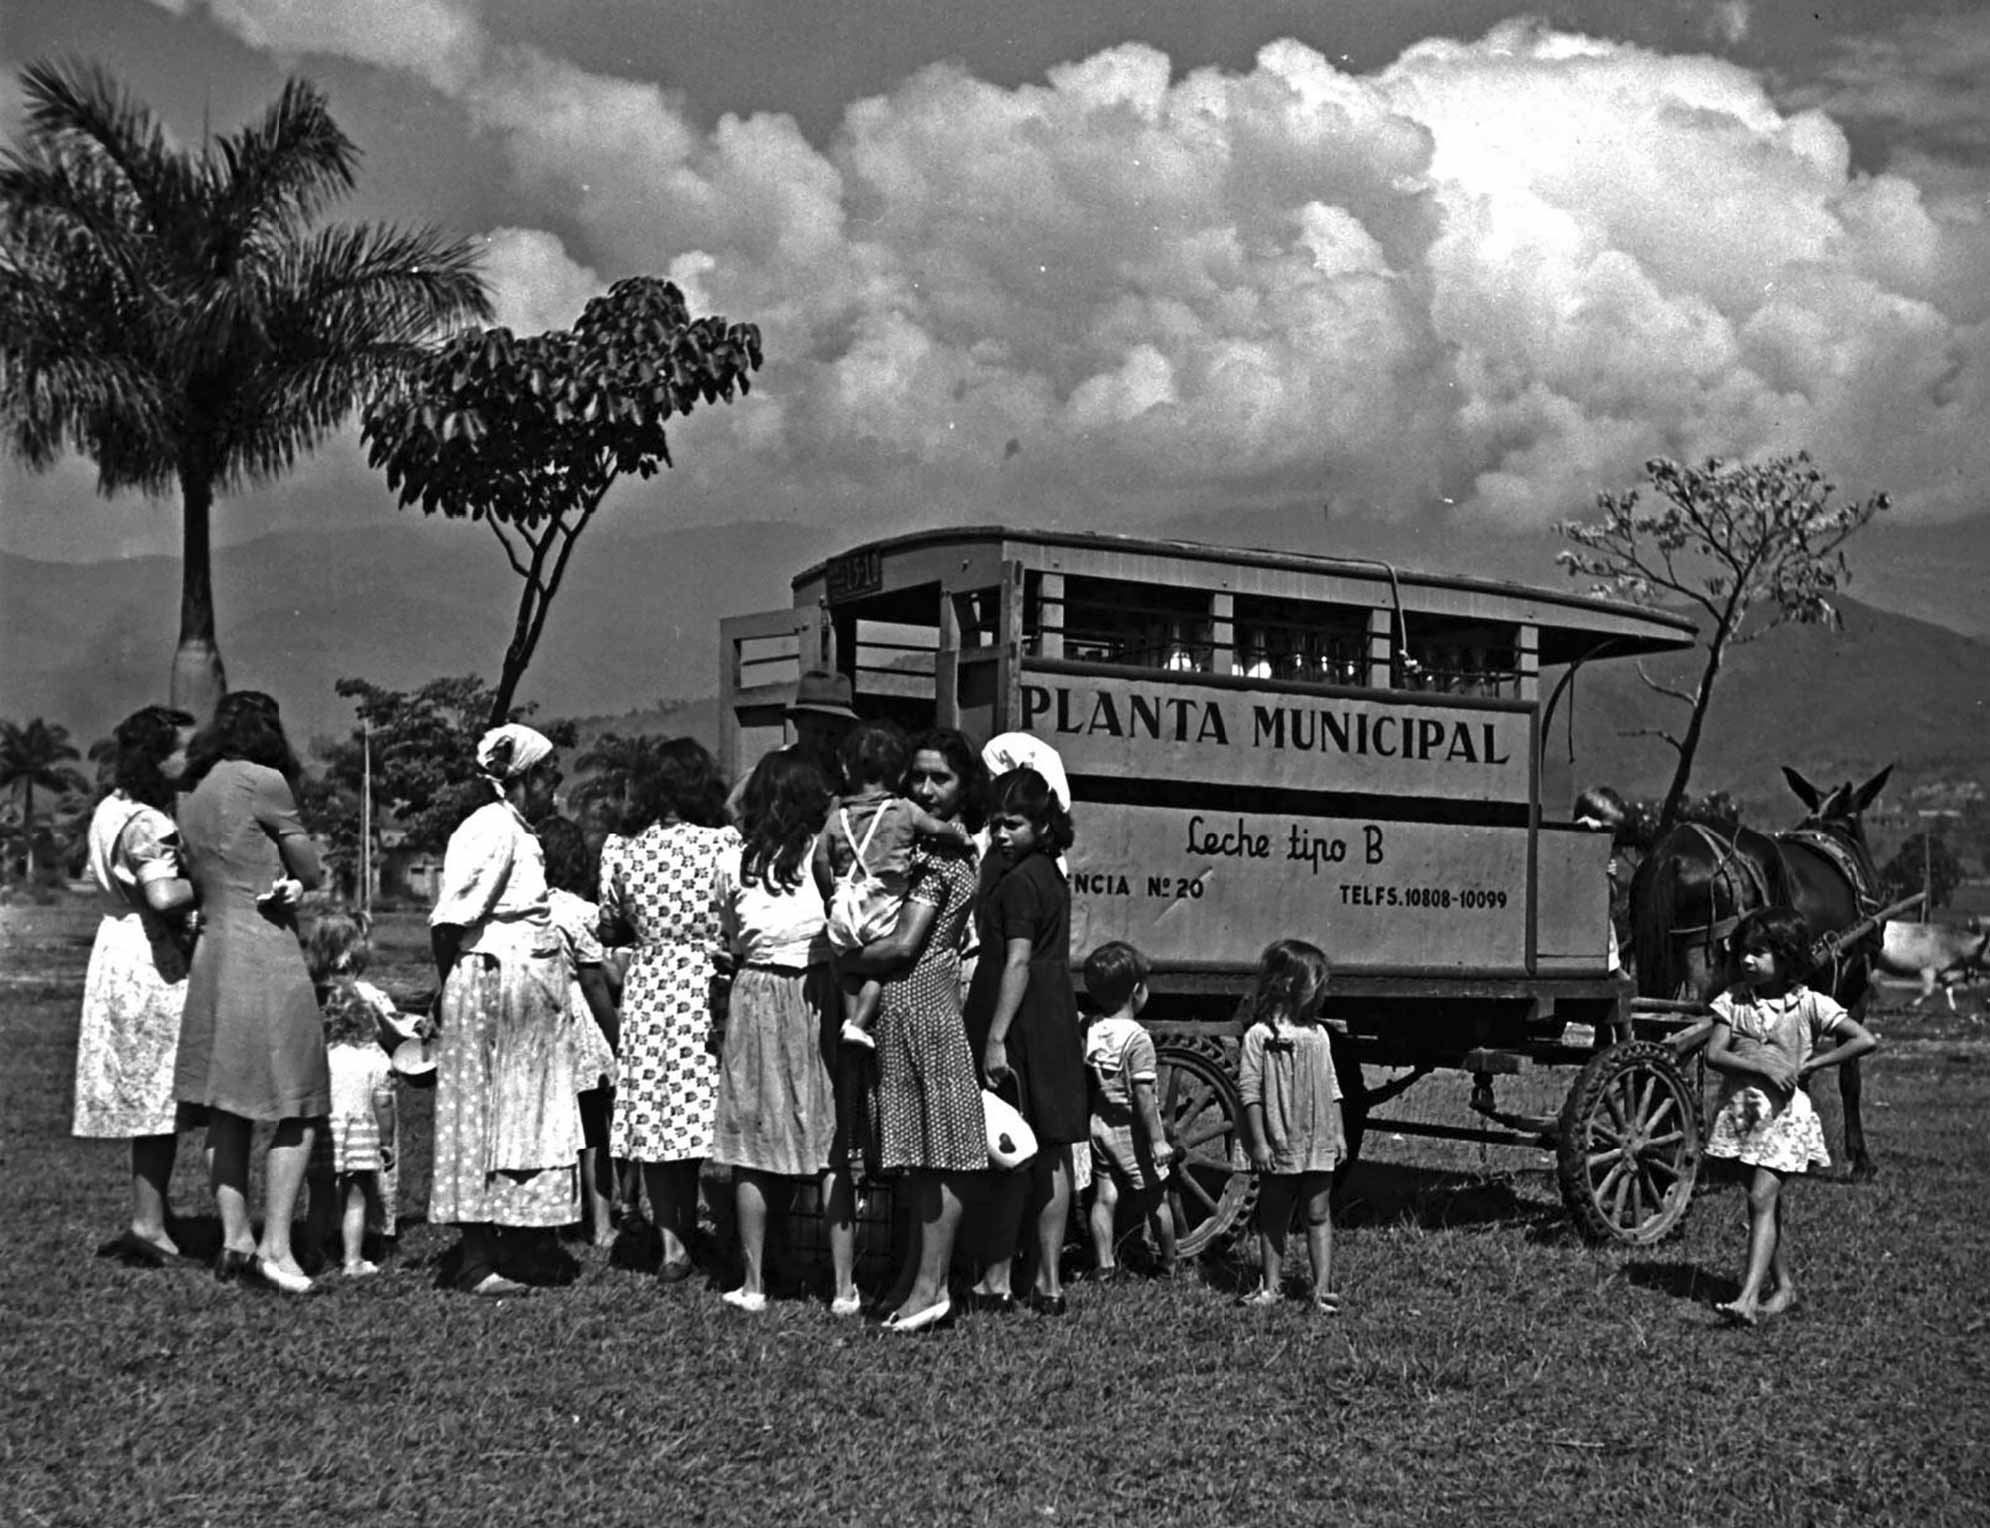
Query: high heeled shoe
[(231, 1267), (933, 1318)]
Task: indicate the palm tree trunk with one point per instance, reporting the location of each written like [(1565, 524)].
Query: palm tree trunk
[(28, 823), (199, 681)]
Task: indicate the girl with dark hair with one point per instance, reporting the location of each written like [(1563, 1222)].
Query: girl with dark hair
[(777, 1103), (656, 893), (137, 983), (1293, 1125), (1022, 1018), (252, 1044), (1767, 1028)]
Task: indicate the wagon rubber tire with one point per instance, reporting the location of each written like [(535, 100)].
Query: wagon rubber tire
[(1629, 1145), (1202, 1112)]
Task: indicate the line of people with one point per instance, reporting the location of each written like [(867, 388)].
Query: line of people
[(811, 981)]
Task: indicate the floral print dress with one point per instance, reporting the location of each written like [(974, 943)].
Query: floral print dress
[(657, 894), (137, 984), (1752, 1124)]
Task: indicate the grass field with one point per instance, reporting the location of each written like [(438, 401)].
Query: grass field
[(1488, 1366)]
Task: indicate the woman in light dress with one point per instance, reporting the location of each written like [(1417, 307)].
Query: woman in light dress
[(252, 1042), (777, 1098), (137, 982), (507, 1129), (656, 894)]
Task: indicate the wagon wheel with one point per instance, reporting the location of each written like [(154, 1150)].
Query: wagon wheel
[(1630, 1145), (1203, 1116)]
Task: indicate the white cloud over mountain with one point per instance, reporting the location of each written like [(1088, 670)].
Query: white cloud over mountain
[(1500, 272)]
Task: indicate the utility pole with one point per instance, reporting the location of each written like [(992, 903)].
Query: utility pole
[(365, 814)]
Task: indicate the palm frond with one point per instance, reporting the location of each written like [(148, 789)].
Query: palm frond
[(275, 175)]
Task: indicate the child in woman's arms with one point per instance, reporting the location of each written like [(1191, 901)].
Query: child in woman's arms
[(863, 858)]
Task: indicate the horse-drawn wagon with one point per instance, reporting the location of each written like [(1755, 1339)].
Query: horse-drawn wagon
[(1263, 744)]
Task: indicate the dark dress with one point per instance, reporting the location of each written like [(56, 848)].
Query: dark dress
[(928, 1101), (1029, 900), (251, 1039)]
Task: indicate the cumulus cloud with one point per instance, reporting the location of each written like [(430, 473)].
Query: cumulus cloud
[(1501, 272)]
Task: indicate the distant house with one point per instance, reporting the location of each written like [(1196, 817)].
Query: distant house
[(403, 873)]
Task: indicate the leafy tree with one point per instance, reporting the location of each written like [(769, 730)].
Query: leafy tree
[(1925, 859), (38, 753), (528, 435), (172, 314), (424, 766), (1730, 539)]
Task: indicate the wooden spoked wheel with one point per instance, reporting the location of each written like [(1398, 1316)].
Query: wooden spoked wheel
[(1201, 1111), (1630, 1145)]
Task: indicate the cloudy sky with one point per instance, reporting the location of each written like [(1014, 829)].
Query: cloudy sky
[(1444, 269)]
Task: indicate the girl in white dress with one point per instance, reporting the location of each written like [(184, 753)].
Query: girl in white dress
[(1767, 1027)]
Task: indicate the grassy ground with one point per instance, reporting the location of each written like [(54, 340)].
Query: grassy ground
[(1488, 1366)]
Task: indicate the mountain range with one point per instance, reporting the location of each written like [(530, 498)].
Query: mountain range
[(632, 644)]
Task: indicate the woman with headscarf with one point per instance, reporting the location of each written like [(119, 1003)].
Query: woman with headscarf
[(252, 1043), (507, 1131), (137, 984)]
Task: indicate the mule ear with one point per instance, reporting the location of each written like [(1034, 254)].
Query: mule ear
[(1806, 792), (1870, 790)]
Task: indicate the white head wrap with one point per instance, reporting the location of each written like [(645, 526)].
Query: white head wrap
[(505, 753), (1022, 750)]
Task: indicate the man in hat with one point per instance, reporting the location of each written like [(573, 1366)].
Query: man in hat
[(822, 717)]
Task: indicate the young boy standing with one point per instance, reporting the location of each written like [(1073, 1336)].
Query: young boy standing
[(1130, 1148)]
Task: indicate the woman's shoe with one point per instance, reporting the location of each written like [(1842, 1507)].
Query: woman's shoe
[(1048, 1305), (931, 1319), (740, 1299), (134, 1251), (991, 1303), (233, 1267), (495, 1286), (846, 1305), (280, 1278), (1261, 1298)]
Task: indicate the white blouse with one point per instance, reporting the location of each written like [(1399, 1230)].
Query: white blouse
[(768, 928), (494, 883)]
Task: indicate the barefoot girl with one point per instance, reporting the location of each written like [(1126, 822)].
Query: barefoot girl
[(1766, 1030), (1292, 1114)]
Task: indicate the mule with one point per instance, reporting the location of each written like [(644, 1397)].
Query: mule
[(1698, 881)]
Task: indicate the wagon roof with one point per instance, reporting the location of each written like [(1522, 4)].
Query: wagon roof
[(1630, 628)]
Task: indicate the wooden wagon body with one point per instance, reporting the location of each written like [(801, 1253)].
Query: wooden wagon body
[(1265, 744)]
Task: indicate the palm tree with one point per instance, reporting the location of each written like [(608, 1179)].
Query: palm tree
[(615, 766), (36, 754), (173, 314)]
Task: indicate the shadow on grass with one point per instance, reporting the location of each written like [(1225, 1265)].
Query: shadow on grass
[(1683, 1281), (1435, 1199)]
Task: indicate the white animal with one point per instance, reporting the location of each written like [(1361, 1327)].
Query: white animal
[(1935, 952)]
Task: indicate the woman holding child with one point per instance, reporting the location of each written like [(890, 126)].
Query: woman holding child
[(507, 1130), (137, 983), (929, 1119)]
